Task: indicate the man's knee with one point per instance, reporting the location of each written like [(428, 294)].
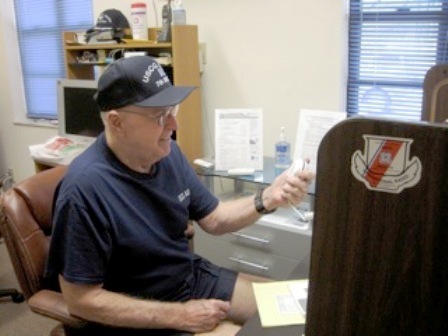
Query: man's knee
[(243, 304), (225, 328)]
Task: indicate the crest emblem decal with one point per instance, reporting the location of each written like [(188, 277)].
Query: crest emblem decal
[(385, 164)]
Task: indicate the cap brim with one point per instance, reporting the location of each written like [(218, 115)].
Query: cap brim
[(172, 95)]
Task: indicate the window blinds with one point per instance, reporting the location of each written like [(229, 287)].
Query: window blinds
[(392, 44), (39, 28)]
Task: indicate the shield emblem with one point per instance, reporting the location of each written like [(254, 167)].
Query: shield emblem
[(385, 164)]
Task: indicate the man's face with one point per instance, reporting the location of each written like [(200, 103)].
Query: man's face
[(149, 129)]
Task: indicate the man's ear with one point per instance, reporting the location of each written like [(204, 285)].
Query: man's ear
[(115, 121)]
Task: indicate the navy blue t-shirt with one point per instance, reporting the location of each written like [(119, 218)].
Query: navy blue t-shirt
[(125, 229)]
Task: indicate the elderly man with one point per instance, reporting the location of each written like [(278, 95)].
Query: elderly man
[(118, 250)]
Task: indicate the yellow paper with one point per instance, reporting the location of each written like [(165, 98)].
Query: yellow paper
[(276, 304)]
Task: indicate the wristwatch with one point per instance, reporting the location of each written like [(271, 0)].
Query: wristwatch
[(259, 203)]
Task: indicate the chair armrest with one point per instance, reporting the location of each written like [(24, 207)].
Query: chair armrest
[(51, 304)]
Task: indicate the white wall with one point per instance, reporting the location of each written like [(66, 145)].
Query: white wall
[(278, 55)]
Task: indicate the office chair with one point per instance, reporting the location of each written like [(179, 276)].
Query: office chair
[(25, 224), (15, 295), (435, 94), (379, 264)]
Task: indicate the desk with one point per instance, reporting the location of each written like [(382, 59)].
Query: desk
[(41, 165), (273, 246), (253, 326)]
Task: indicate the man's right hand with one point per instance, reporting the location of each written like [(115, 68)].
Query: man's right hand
[(203, 315)]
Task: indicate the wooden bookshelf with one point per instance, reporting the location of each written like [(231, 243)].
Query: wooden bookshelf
[(184, 50)]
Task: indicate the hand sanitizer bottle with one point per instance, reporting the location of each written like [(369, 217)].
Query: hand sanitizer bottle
[(282, 153)]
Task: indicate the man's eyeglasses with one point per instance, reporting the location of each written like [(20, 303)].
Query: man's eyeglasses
[(161, 115)]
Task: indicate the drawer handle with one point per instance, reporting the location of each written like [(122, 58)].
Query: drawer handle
[(251, 238), (250, 264)]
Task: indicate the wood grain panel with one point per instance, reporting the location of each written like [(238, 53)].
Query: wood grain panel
[(379, 261)]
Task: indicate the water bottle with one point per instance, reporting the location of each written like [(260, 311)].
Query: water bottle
[(179, 15)]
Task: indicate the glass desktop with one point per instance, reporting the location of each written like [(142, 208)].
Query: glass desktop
[(266, 176)]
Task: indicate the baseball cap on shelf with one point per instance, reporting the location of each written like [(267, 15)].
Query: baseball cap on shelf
[(111, 18), (137, 80), (112, 21)]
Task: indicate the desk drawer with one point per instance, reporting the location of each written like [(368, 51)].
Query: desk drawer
[(271, 240), (245, 259)]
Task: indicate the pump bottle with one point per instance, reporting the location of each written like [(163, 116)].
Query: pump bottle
[(282, 153)]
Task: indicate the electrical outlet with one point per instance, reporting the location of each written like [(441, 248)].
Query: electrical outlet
[(10, 175), (203, 53)]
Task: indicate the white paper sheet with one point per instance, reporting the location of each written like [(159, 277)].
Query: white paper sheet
[(312, 126), (276, 305), (299, 291), (239, 139)]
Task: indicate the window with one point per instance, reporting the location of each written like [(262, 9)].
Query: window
[(39, 29), (392, 44)]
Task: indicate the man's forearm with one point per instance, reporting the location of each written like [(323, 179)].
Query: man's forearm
[(119, 310), (93, 303), (231, 216), (234, 215)]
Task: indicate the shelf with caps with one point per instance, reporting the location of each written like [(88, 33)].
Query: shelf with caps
[(183, 70), (125, 45)]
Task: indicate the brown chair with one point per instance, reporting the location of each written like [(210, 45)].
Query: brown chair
[(12, 292), (435, 94), (25, 224)]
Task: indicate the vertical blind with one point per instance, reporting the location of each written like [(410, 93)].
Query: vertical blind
[(39, 28), (392, 44)]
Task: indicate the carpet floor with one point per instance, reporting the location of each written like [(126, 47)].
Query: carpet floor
[(16, 319)]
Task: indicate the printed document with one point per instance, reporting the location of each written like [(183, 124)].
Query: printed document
[(281, 303), (312, 127), (239, 139)]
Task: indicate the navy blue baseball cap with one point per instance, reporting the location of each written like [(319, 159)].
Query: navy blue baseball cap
[(137, 80), (110, 19)]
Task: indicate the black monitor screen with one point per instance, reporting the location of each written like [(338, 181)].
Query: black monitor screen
[(82, 115)]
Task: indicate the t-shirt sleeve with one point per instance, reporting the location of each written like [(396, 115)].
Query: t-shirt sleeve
[(82, 246), (203, 202)]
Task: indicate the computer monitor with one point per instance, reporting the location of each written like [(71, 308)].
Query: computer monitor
[(78, 114)]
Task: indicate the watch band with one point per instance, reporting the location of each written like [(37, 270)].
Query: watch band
[(258, 200)]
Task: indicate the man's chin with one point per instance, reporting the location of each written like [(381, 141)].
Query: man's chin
[(165, 145)]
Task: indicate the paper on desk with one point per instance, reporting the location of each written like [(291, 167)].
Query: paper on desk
[(238, 139), (299, 292), (312, 127), (57, 150), (276, 303)]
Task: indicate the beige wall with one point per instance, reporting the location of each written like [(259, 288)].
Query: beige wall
[(278, 55)]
